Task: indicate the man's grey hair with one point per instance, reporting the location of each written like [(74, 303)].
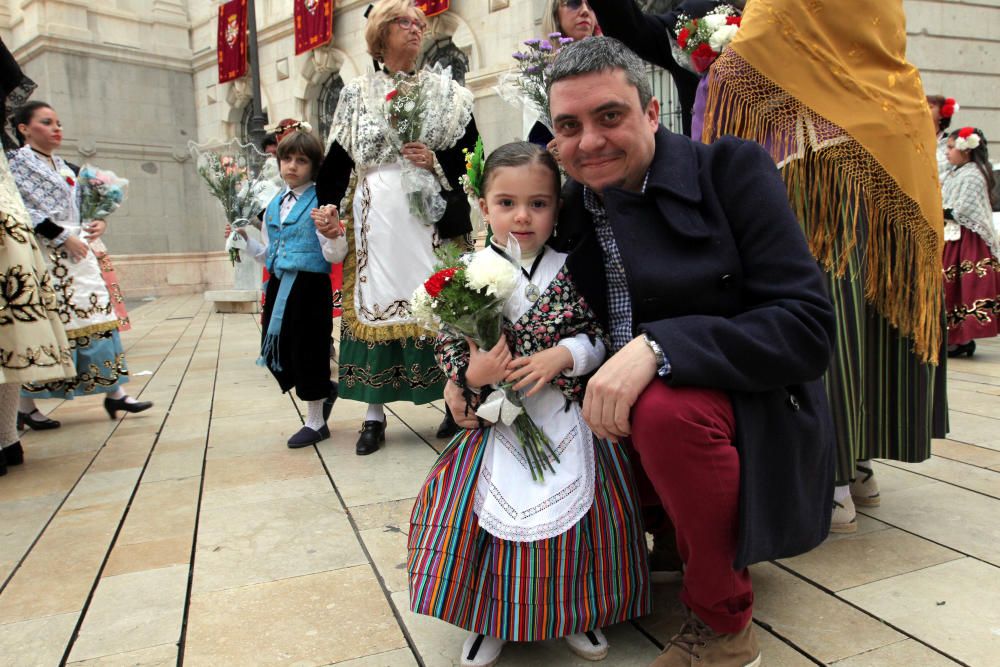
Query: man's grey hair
[(600, 54)]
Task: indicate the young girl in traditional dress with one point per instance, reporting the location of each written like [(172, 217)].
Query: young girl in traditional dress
[(491, 550), (297, 319), (971, 248)]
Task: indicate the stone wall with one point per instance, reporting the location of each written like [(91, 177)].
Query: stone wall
[(956, 45)]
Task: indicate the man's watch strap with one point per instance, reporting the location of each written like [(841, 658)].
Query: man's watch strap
[(662, 363)]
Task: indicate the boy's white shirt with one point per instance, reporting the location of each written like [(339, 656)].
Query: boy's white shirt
[(334, 250)]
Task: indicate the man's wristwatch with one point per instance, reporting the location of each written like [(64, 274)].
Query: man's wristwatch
[(662, 365)]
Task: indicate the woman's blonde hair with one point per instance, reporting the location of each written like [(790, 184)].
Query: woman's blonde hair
[(381, 18), (550, 20)]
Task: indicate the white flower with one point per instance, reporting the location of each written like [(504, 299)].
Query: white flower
[(421, 304), (490, 270), (720, 38), (305, 127), (714, 21), (409, 106)]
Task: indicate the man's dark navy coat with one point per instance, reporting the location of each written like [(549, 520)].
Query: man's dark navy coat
[(721, 277)]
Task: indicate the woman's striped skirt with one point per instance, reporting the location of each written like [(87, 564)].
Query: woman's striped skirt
[(593, 575), (886, 403)]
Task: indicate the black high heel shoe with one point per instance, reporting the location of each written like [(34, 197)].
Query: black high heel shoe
[(113, 405), (12, 455), (25, 420), (965, 349), (372, 433)]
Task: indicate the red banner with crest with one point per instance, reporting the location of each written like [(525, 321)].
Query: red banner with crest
[(232, 40), (313, 24), (433, 7)]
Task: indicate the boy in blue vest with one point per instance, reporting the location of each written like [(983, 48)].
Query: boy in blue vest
[(297, 317)]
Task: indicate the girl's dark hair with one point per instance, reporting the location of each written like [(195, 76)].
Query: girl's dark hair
[(938, 101), (980, 155), (24, 114), (518, 154), (302, 143)]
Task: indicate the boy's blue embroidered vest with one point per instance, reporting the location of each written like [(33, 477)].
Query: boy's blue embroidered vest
[(292, 245)]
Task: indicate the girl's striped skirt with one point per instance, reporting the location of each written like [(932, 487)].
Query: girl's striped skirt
[(593, 575)]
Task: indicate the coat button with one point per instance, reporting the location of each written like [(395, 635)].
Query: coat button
[(726, 281), (794, 402)]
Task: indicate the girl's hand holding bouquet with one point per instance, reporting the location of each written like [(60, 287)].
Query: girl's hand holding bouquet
[(487, 367), (539, 369)]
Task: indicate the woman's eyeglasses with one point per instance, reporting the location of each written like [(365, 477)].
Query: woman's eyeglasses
[(406, 23), (573, 5)]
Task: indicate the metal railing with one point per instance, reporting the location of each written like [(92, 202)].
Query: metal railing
[(665, 91)]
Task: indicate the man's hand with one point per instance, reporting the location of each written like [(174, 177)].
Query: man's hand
[(616, 387), (539, 369), (455, 399)]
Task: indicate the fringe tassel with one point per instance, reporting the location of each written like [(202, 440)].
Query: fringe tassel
[(269, 353), (832, 181)]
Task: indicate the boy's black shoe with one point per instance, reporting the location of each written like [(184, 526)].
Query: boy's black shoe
[(307, 436)]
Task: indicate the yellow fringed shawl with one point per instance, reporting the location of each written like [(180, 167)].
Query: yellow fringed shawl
[(826, 88)]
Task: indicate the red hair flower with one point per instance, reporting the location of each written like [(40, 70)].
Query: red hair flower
[(390, 95), (967, 139), (949, 107), (436, 283)]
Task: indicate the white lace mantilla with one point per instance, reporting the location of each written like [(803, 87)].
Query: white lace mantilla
[(359, 124)]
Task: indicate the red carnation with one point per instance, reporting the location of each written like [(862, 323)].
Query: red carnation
[(734, 20), (391, 94), (703, 57), (966, 132), (436, 283), (682, 38), (70, 181)]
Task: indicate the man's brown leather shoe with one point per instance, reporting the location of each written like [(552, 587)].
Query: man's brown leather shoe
[(697, 645)]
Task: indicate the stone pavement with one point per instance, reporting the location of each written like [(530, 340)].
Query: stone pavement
[(191, 534)]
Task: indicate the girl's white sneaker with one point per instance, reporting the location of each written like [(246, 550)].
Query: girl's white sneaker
[(589, 645), (481, 651)]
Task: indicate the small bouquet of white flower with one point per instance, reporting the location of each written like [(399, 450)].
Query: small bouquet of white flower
[(465, 297)]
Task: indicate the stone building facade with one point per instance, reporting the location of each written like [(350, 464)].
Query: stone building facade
[(135, 80)]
